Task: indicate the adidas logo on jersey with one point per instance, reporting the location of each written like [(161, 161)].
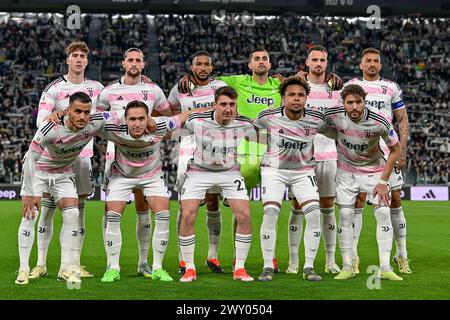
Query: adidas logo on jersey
[(119, 98), (67, 96)]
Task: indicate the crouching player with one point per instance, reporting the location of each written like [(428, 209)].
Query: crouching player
[(217, 134), (137, 165), (361, 168), (48, 168)]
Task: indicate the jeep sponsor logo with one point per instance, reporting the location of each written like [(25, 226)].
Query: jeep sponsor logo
[(8, 194), (258, 100), (292, 145), (144, 154), (356, 147), (202, 104), (70, 150), (376, 104)]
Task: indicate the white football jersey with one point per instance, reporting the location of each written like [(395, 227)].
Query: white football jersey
[(321, 97), (56, 97), (358, 149), (201, 97)]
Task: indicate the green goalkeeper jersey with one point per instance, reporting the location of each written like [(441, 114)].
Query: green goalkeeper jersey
[(252, 96)]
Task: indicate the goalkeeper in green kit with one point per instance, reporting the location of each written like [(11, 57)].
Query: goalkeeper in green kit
[(256, 93)]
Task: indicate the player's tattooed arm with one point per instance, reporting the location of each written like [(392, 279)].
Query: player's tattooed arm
[(403, 127)]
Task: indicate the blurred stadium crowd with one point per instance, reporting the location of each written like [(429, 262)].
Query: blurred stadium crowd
[(415, 53)]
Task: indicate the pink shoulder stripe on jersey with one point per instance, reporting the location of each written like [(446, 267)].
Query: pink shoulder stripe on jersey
[(325, 156), (45, 106), (62, 95), (322, 95), (126, 97), (359, 170), (377, 90)]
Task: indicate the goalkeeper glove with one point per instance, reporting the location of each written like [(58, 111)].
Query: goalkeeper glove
[(333, 81)]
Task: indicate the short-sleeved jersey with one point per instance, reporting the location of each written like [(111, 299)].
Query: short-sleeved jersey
[(215, 144), (56, 97), (382, 94), (116, 95), (59, 146), (320, 98), (290, 142), (201, 97), (137, 157), (358, 150), (252, 96)]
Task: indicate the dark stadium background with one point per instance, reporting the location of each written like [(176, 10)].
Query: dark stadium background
[(413, 38)]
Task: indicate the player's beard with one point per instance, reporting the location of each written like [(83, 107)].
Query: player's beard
[(317, 73), (260, 71), (202, 77), (135, 74)]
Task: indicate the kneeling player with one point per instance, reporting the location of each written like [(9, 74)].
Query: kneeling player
[(361, 168), (137, 165), (217, 134), (45, 170)]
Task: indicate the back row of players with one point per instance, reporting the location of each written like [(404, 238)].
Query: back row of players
[(290, 161)]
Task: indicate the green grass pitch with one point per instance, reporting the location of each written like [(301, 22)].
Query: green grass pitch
[(428, 249)]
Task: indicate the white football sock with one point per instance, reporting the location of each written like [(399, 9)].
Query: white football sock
[(295, 231), (269, 234), (180, 257), (45, 229), (214, 225), (242, 244), (357, 226), (143, 232), (399, 225), (81, 231), (26, 240), (113, 239), (312, 232), (104, 224), (329, 233), (68, 237), (187, 248), (160, 237), (384, 236), (345, 235)]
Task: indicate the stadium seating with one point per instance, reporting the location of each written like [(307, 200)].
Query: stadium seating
[(415, 53)]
